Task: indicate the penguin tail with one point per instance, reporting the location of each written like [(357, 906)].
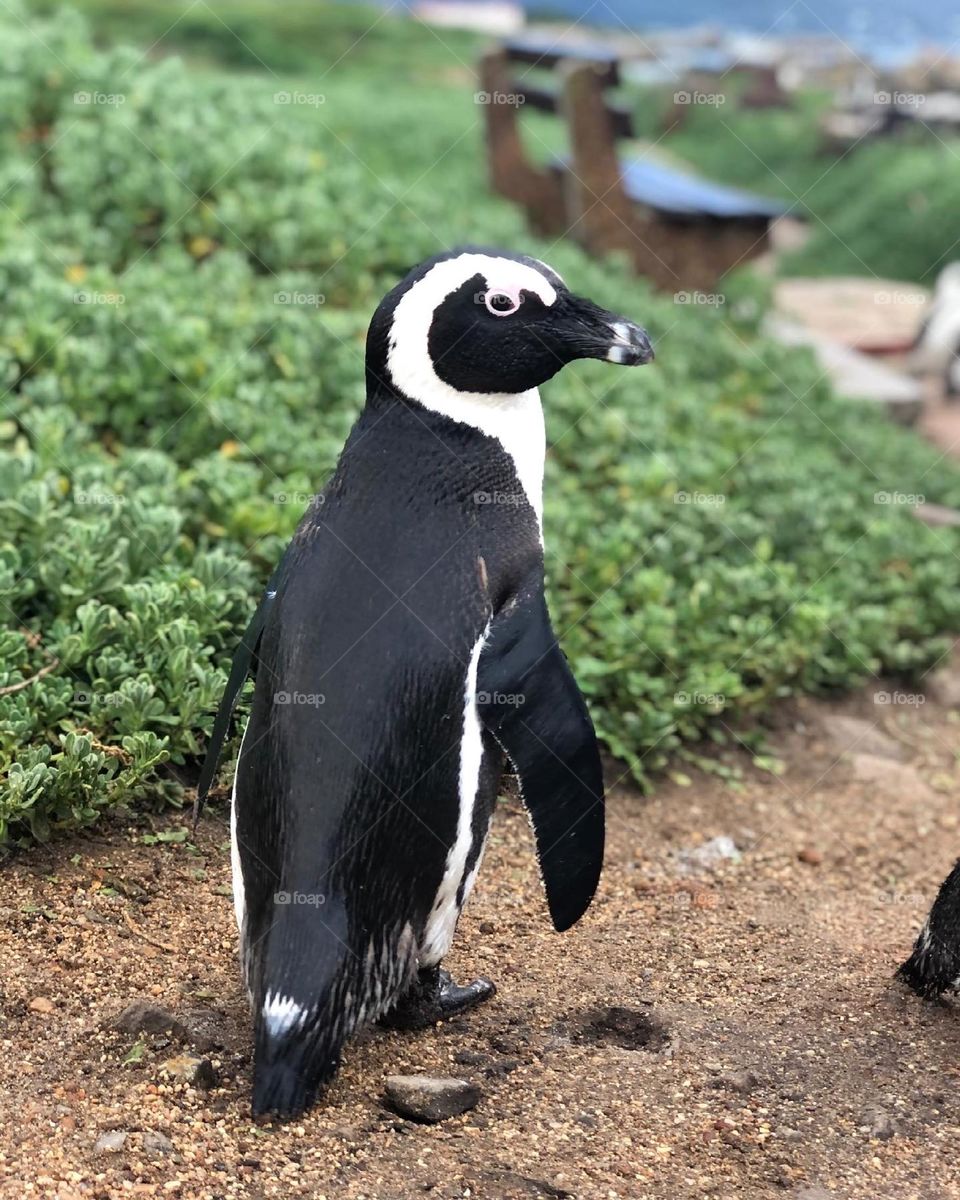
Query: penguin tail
[(288, 1075), (301, 970)]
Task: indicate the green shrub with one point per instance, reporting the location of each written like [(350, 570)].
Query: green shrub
[(188, 276)]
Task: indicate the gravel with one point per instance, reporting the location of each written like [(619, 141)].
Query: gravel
[(733, 1035)]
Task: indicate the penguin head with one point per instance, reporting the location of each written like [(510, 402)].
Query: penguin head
[(482, 322)]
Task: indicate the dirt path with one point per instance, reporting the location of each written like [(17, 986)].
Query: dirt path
[(716, 1033)]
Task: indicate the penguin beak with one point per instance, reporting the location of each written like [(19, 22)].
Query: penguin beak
[(592, 332)]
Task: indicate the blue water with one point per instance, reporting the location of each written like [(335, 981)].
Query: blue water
[(889, 30)]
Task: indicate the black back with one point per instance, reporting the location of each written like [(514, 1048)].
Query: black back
[(348, 780)]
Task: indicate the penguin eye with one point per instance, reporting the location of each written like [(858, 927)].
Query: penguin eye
[(501, 304)]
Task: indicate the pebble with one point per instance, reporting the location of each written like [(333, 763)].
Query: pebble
[(156, 1143), (852, 735), (709, 856), (199, 1072), (430, 1098), (41, 1004), (894, 779), (878, 1123), (943, 686), (810, 856), (738, 1080), (143, 1016), (111, 1142), (470, 1058)]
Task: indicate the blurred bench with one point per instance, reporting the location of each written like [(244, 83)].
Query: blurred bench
[(681, 231)]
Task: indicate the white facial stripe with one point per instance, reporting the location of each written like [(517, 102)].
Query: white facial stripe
[(549, 270), (514, 419)]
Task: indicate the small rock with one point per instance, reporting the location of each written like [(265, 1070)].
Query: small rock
[(199, 1072), (143, 1016), (810, 856), (111, 1142), (503, 1067), (878, 1123), (487, 927), (346, 1133), (156, 1143), (943, 686), (205, 1028), (430, 1099), (41, 1004), (709, 856), (851, 735), (892, 778), (470, 1058), (737, 1080)]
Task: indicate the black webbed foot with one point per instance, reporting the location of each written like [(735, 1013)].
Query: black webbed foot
[(435, 997)]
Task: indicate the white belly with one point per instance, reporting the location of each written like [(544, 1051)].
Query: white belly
[(442, 921)]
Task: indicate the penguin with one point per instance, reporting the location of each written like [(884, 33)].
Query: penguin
[(934, 965), (404, 656)]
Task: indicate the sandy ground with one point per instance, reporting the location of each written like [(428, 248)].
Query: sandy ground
[(733, 1032)]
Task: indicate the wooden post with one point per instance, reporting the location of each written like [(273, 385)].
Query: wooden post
[(507, 164), (598, 211), (536, 189)]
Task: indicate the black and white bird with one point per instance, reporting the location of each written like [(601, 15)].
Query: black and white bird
[(403, 651), (934, 965)]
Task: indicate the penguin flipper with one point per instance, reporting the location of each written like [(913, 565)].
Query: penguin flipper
[(529, 701), (239, 669)]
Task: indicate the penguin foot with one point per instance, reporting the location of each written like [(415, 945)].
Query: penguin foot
[(435, 997)]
